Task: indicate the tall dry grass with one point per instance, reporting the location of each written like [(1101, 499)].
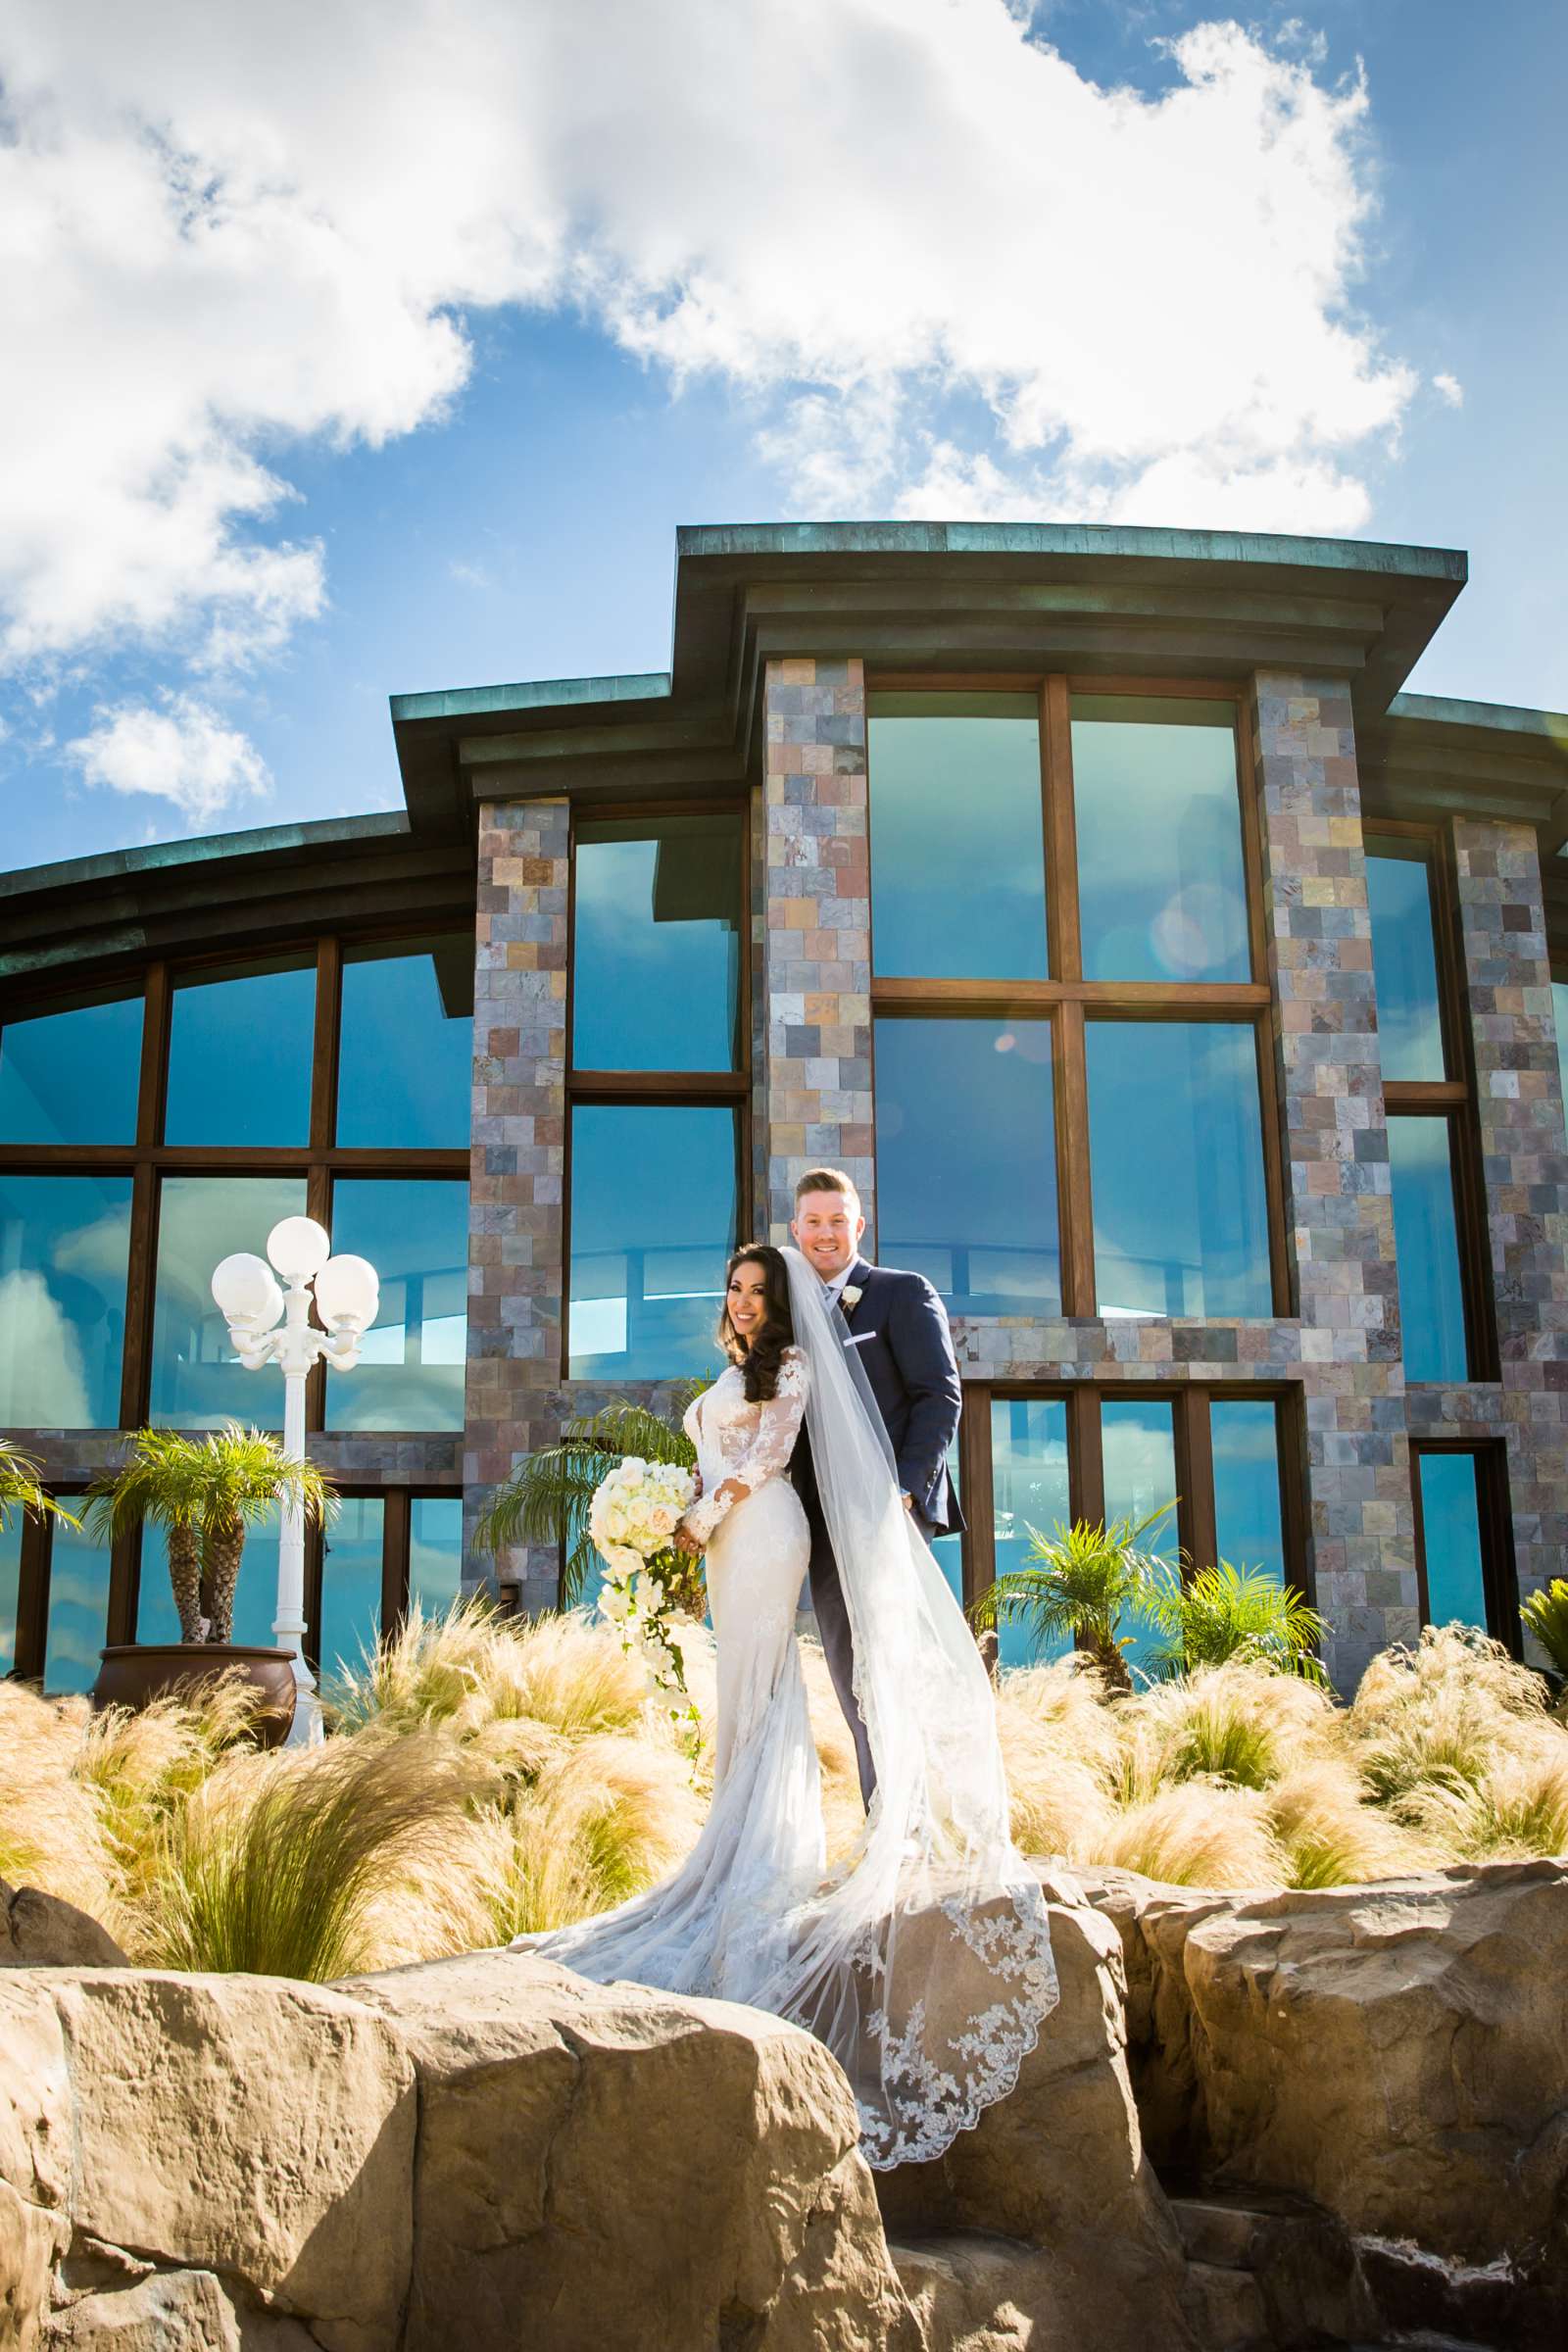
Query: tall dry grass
[(486, 1778)]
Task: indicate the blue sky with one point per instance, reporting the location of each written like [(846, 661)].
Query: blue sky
[(407, 383)]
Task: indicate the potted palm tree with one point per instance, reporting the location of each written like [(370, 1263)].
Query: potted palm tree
[(1079, 1580), (205, 1494)]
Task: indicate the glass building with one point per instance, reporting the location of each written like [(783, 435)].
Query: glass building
[(1179, 992)]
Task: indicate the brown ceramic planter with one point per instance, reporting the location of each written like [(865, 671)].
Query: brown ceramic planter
[(136, 1673)]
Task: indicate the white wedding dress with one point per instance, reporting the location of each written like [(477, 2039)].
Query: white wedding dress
[(925, 1963)]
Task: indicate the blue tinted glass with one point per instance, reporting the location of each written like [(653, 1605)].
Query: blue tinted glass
[(10, 1589), (406, 1054), (436, 1551), (1450, 1535), (71, 1077), (64, 1246), (1248, 1523), (653, 1221), (1029, 1489), (656, 945), (255, 1596), (1404, 966), (197, 1379), (948, 1550), (966, 1162), (411, 1369), (1559, 1014), (1176, 1169), (1161, 880), (957, 859), (351, 1584), (1426, 1245), (239, 1059), (1138, 1450), (78, 1605)]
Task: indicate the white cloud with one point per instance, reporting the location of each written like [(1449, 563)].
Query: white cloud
[(42, 1383), (222, 229), (1449, 388), (183, 752)]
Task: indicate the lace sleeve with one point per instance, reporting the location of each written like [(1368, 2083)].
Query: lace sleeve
[(778, 1425)]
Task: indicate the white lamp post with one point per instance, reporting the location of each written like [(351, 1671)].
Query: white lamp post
[(270, 1325)]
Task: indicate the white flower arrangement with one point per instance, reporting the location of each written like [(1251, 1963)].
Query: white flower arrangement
[(649, 1585)]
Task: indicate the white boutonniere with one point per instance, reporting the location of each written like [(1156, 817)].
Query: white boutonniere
[(850, 1298)]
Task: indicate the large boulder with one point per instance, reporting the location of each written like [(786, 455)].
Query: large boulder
[(42, 1930), (1393, 2052), (247, 2127), (1059, 2169), (606, 2167)]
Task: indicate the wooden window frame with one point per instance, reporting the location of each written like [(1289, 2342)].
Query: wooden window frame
[(147, 1160), (1452, 1098), (1191, 1405), (674, 1089), (1499, 1578), (1069, 1001)]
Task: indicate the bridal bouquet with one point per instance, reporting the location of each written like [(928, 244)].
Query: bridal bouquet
[(647, 1584)]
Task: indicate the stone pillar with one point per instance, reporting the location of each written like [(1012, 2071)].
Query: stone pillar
[(1329, 1071), (1508, 977), (516, 1214), (813, 1094)]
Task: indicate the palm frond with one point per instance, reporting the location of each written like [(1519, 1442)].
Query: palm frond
[(20, 1491), (1225, 1612), (1546, 1615), (1078, 1580), (546, 1498)]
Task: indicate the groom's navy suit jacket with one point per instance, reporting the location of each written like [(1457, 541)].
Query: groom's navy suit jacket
[(899, 1330)]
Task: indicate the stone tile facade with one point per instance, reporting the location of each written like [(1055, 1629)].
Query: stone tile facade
[(1507, 976), (813, 1078), (516, 1205)]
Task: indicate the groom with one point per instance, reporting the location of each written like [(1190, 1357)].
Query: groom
[(899, 1330)]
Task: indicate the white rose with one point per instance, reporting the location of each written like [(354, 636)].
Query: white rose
[(663, 1520), (614, 1523)]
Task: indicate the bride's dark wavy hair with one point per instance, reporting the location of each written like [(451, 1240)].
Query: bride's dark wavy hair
[(759, 1359)]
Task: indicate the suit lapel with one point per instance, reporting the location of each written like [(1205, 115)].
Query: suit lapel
[(859, 1278)]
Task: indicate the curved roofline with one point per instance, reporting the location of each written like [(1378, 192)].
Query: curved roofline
[(204, 849)]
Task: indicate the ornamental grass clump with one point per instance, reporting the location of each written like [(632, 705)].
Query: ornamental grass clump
[(604, 1819), (315, 1864), (51, 1835), (1443, 1716)]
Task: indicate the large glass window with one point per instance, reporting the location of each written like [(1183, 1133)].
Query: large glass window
[(69, 1076), (1029, 1485), (351, 1583), (654, 1210), (1404, 962), (1137, 1453), (656, 944), (415, 1231), (1248, 1521), (1162, 877), (10, 1589), (436, 1551), (1453, 1563), (78, 1605), (966, 1157), (1560, 1009), (405, 1058), (197, 1380), (64, 1251), (240, 1055), (255, 1596), (1426, 1241), (958, 851), (1176, 1169)]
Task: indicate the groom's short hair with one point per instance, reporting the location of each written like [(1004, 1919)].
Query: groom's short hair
[(827, 1180)]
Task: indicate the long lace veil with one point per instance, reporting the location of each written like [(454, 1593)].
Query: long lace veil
[(926, 1968)]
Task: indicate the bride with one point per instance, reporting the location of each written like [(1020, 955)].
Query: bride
[(924, 1962)]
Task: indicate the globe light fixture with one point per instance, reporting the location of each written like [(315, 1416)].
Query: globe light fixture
[(270, 1325)]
